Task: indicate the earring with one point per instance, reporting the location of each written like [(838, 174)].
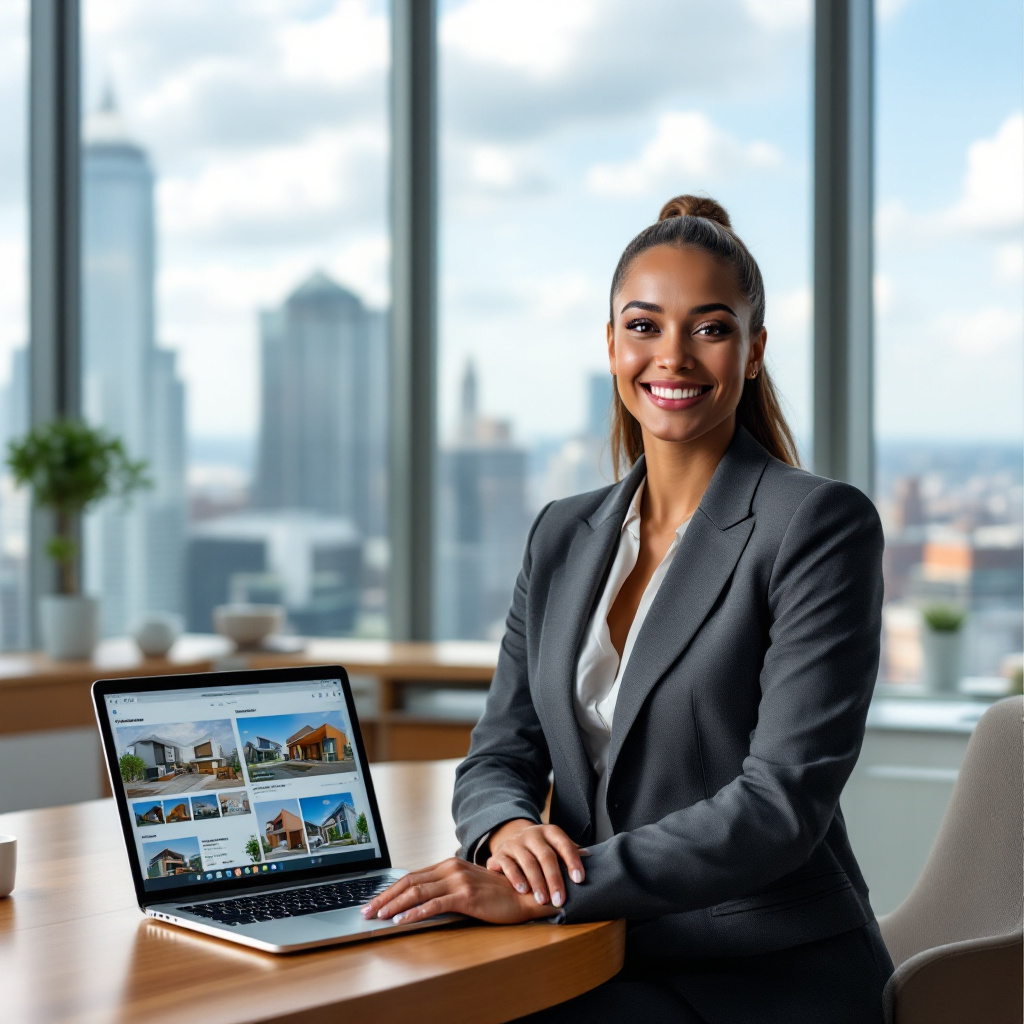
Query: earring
[(752, 374)]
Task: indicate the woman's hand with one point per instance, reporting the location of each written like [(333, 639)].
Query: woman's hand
[(454, 887), (527, 855)]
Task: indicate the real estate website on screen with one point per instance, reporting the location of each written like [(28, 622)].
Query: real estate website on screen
[(233, 782)]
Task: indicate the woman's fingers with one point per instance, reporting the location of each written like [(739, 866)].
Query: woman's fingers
[(568, 851), (527, 862), (548, 860), (370, 909), (413, 896), (511, 870), (438, 905)]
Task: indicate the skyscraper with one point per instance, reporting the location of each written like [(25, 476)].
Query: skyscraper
[(482, 522), (133, 555), (323, 423)]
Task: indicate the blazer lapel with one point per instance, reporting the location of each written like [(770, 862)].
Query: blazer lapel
[(570, 602), (702, 565)]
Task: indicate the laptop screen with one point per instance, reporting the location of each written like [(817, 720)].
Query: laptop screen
[(226, 782)]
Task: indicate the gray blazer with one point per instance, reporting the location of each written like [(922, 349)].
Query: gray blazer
[(739, 718)]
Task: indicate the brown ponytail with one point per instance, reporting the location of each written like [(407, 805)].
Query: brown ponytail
[(700, 222)]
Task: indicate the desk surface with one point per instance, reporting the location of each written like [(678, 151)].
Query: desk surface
[(74, 946)]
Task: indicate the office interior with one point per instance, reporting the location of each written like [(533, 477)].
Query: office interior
[(338, 272)]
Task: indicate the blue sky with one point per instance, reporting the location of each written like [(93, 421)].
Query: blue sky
[(563, 128), (316, 808)]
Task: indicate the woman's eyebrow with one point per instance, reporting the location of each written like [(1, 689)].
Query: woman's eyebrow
[(650, 307), (712, 307)]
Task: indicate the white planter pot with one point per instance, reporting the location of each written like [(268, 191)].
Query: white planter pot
[(70, 626), (942, 659)]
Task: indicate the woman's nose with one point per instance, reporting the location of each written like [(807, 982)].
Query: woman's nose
[(673, 351)]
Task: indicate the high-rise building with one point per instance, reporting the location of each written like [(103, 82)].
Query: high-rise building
[(482, 523), (323, 423), (15, 505), (305, 561), (133, 554)]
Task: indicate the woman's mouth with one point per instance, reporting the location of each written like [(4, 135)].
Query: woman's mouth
[(673, 395)]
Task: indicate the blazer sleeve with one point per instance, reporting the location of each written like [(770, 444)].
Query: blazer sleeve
[(825, 597), (505, 775)]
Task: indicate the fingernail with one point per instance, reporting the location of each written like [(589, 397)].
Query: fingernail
[(583, 853), (367, 910), (522, 887), (577, 877), (538, 895), (398, 918), (557, 899)]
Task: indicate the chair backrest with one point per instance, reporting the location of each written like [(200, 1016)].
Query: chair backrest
[(972, 885)]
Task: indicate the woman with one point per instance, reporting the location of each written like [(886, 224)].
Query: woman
[(691, 652)]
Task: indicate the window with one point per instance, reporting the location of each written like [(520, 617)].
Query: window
[(948, 352), (14, 504), (555, 151), (235, 286)]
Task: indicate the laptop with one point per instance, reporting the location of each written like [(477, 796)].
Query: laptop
[(247, 805)]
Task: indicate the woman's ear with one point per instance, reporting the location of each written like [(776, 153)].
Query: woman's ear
[(758, 341), (610, 331)]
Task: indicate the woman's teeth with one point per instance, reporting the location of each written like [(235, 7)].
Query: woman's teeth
[(675, 393)]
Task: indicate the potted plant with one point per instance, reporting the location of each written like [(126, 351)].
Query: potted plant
[(70, 467), (942, 646)]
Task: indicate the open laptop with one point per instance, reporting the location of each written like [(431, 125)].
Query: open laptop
[(247, 805)]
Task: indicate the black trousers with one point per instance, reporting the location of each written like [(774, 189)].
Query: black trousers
[(838, 980)]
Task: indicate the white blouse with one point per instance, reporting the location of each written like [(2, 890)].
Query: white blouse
[(599, 669)]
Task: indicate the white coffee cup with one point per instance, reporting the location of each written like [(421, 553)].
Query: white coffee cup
[(8, 864)]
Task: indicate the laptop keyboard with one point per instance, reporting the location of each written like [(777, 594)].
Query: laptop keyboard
[(273, 906)]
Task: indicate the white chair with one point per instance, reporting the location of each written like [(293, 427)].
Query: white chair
[(956, 940)]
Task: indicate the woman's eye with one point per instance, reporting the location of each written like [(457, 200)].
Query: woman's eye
[(714, 329), (640, 326)]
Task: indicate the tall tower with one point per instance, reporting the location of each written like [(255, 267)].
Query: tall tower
[(323, 422), (134, 555)]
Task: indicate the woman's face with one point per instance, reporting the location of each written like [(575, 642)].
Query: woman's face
[(679, 343)]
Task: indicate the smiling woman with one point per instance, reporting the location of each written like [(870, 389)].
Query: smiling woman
[(686, 227), (690, 655)]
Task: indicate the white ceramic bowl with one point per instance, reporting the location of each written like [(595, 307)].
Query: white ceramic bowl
[(248, 624)]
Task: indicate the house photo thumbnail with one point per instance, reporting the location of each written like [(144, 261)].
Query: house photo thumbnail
[(281, 832), (205, 806), (163, 858), (148, 812), (233, 803), (177, 757), (296, 746), (333, 821)]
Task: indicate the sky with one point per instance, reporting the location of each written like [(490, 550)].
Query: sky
[(563, 128)]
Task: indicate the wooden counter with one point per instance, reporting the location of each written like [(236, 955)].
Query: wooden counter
[(75, 948)]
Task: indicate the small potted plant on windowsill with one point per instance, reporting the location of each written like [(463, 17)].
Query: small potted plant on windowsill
[(70, 467), (942, 646)]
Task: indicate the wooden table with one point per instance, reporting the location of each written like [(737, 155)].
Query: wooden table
[(38, 694), (75, 948)]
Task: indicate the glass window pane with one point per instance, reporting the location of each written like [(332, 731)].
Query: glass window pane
[(235, 265), (14, 504), (564, 128), (949, 300)]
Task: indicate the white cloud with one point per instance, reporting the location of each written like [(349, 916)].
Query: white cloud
[(884, 290), (525, 68), (991, 200), (321, 184), (990, 331), (536, 37), (1009, 263), (993, 191), (687, 150), (780, 14)]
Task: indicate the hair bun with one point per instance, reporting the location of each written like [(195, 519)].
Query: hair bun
[(695, 206)]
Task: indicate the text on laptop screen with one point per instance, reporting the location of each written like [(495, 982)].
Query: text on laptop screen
[(229, 782)]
